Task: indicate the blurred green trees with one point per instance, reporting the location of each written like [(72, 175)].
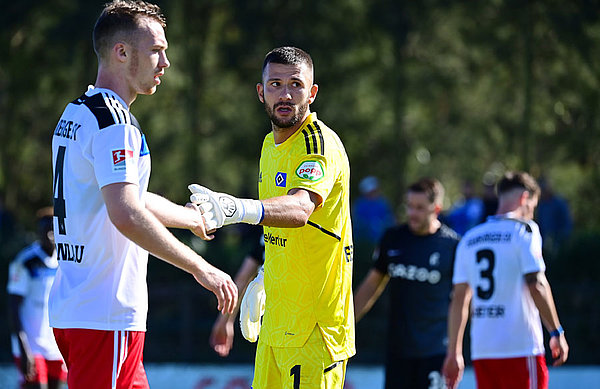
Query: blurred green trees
[(453, 89)]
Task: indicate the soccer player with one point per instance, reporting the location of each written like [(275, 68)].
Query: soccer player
[(499, 271), (106, 221), (416, 259), (30, 277), (307, 332)]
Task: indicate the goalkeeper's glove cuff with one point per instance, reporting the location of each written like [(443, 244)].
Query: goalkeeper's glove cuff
[(252, 212)]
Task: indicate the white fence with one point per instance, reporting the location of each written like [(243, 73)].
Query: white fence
[(169, 376)]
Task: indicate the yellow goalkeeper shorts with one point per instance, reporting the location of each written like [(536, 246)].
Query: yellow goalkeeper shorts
[(306, 367)]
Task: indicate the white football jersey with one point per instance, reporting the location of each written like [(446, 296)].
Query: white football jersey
[(101, 279), (493, 259), (30, 275)]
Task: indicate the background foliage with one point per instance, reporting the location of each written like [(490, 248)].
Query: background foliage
[(453, 89)]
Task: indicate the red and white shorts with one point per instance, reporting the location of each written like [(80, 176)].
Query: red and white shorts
[(512, 373), (54, 370), (98, 359)]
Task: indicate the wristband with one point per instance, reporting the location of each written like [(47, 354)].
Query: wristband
[(252, 211), (557, 332)]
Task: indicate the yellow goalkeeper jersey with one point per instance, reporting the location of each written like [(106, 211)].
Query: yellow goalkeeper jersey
[(308, 270)]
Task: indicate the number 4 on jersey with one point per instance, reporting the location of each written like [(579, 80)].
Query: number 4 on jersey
[(59, 199)]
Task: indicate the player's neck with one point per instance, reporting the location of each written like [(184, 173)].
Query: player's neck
[(116, 83), (280, 135), (430, 229)]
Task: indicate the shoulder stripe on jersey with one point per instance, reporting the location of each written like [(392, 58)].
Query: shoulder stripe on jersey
[(311, 134), (107, 110), (307, 141), (314, 139), (320, 137), (98, 108), (318, 227), (120, 114)]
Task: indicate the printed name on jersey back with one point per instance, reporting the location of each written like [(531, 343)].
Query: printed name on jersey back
[(69, 252), (414, 273), (67, 129), (490, 237), (489, 311)]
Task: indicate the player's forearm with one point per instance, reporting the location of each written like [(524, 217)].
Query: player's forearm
[(457, 319), (540, 291), (289, 211), (171, 214), (368, 293)]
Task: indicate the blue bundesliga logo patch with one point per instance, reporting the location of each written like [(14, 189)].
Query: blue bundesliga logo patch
[(281, 179)]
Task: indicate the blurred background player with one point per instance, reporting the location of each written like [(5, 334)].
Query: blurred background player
[(499, 274), (416, 258), (30, 278)]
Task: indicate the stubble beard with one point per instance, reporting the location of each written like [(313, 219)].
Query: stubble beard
[(280, 123), (142, 87)]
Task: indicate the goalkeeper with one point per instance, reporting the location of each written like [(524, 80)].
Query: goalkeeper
[(307, 332)]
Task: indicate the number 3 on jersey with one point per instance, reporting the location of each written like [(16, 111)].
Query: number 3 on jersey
[(59, 198), (486, 273)]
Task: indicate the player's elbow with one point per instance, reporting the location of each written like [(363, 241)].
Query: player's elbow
[(122, 222)]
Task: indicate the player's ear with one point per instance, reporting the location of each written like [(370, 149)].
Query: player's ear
[(313, 93), (260, 89), (119, 51), (523, 198)]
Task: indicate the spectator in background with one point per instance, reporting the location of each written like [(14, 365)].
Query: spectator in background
[(30, 277), (554, 218), (371, 213), (468, 212), (490, 201)]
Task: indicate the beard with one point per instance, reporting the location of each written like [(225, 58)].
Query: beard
[(289, 122)]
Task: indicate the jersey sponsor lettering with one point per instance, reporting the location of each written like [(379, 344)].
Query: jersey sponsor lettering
[(310, 170), (69, 252), (414, 273), (67, 129), (274, 240)]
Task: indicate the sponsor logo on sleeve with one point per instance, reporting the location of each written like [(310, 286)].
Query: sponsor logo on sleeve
[(281, 179), (119, 158), (310, 170)]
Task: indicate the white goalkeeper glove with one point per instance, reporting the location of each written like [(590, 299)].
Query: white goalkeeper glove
[(226, 209), (252, 307)]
